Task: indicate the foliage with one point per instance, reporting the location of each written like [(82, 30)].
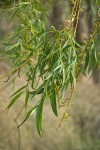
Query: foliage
[(52, 59)]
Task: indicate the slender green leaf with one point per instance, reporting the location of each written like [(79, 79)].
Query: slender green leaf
[(18, 91), (29, 113), (14, 100), (39, 117), (66, 44), (53, 102), (34, 74), (27, 98)]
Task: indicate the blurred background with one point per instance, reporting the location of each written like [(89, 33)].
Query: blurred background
[(82, 131)]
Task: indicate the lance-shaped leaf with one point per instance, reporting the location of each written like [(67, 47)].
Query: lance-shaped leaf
[(39, 111), (53, 103), (34, 74), (53, 100), (27, 98), (66, 44), (18, 91), (14, 100), (29, 113)]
